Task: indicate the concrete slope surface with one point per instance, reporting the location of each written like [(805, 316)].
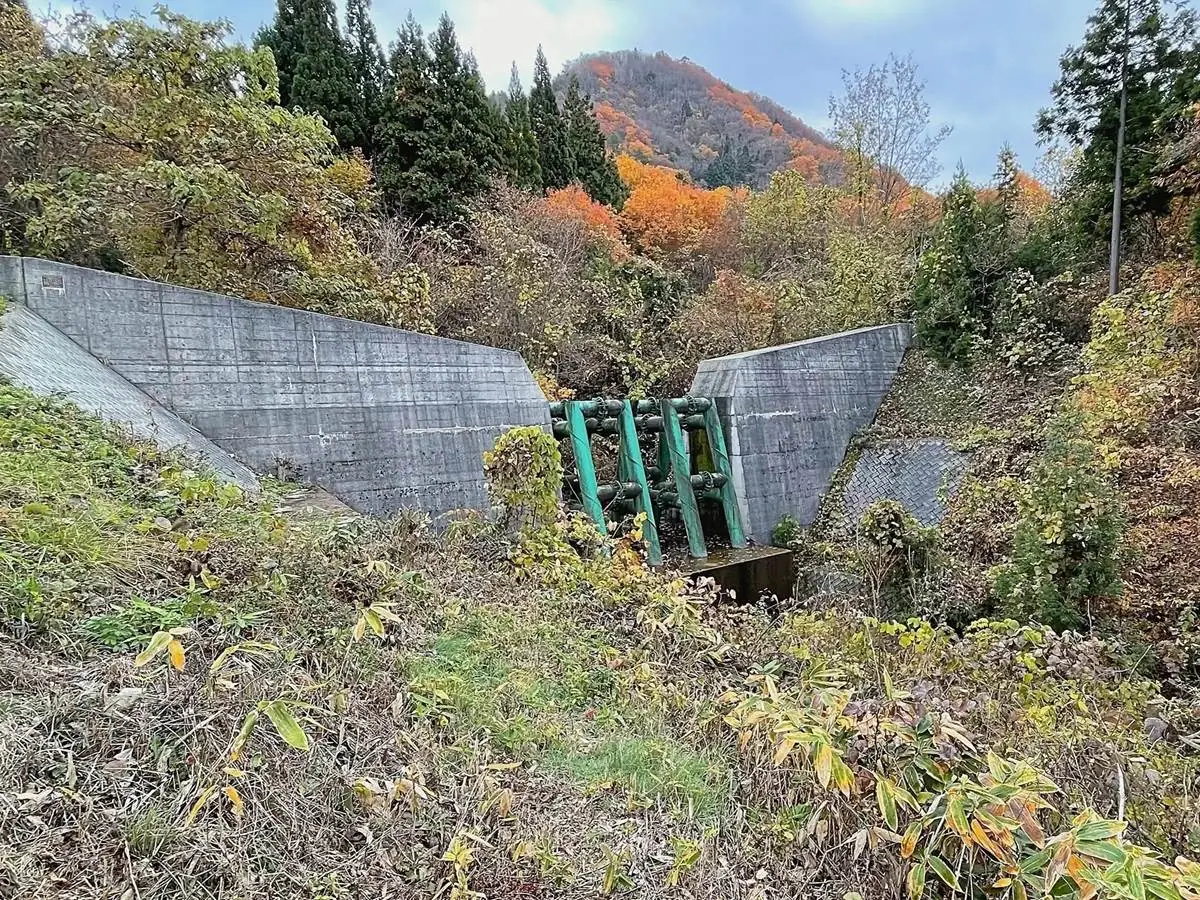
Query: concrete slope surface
[(36, 355), (385, 419)]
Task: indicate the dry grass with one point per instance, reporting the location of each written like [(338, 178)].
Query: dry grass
[(556, 727)]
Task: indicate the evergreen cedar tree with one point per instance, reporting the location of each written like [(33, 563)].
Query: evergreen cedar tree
[(423, 117), (316, 70), (594, 168), (1162, 84), (368, 65), (731, 168), (550, 129), (526, 157), (439, 139)]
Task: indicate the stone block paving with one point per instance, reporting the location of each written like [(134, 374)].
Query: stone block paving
[(920, 474)]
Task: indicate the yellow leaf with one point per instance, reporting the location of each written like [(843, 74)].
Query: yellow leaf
[(843, 777), (243, 735), (205, 796), (385, 613), (909, 842), (985, 841), (157, 645), (784, 750), (360, 628), (956, 818), (916, 881), (372, 619), (233, 773), (886, 798), (824, 764), (175, 652), (1077, 870), (236, 799)]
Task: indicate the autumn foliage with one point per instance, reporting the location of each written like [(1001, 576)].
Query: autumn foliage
[(742, 102), (673, 112), (1032, 196), (602, 70), (808, 157), (666, 214), (572, 204)]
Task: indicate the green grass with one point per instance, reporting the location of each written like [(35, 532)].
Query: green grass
[(526, 681), (535, 685), (92, 524), (651, 769), (148, 832), (68, 498)]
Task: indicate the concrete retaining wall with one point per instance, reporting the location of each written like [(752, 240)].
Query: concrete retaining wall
[(380, 417), (789, 413), (37, 356)]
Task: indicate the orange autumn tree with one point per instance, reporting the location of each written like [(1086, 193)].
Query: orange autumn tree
[(808, 157), (572, 205), (623, 131), (666, 214)]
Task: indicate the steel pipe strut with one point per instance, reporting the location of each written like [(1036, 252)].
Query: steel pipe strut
[(623, 490)]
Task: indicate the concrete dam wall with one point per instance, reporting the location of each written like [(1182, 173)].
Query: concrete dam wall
[(789, 413), (36, 355), (385, 419)]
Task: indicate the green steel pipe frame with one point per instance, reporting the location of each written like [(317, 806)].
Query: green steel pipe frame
[(669, 483)]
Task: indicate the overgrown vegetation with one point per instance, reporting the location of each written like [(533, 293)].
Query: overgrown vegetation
[(323, 703), (204, 695), (310, 171)]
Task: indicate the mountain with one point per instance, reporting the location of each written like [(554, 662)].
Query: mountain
[(674, 112)]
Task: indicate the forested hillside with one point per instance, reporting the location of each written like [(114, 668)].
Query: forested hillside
[(205, 694), (673, 112)]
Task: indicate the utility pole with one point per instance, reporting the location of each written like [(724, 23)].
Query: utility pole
[(1114, 260)]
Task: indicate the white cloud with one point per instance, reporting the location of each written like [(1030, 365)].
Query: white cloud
[(500, 31), (860, 10)]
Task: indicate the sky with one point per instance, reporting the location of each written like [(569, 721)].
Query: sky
[(988, 64)]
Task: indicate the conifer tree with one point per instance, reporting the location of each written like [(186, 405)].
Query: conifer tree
[(400, 136), (549, 128), (730, 169), (1163, 64), (524, 162), (315, 68), (440, 138), (1008, 182), (594, 168), (368, 66)]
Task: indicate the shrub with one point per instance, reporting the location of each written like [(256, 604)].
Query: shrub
[(1065, 545), (896, 552), (787, 532), (1137, 358), (1028, 335), (525, 473), (192, 175)]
